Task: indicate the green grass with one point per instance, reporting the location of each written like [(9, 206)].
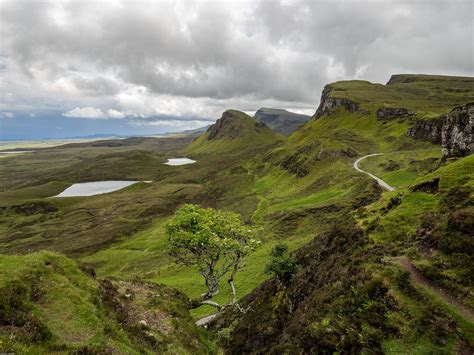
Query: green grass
[(416, 333), (121, 234), (67, 306), (420, 347), (146, 255), (314, 200), (50, 289), (428, 96), (239, 133), (410, 165)]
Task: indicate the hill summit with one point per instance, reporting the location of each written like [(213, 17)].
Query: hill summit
[(234, 131)]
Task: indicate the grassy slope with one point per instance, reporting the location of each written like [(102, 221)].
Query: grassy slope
[(49, 304), (248, 136), (321, 146), (259, 185)]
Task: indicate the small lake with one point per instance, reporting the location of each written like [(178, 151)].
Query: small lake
[(180, 161), (95, 188)]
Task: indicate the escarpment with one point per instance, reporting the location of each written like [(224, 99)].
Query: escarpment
[(457, 130), (453, 131), (328, 103)]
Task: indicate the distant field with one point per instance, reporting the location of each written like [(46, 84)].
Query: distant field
[(45, 143)]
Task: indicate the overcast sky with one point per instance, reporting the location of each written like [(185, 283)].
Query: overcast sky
[(155, 66)]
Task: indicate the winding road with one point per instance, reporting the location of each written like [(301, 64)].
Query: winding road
[(382, 183)]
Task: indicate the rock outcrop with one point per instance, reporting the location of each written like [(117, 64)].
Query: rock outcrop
[(329, 104), (427, 130), (389, 113), (457, 132), (453, 131), (225, 123)]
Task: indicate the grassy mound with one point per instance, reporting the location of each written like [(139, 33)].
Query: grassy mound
[(48, 304)]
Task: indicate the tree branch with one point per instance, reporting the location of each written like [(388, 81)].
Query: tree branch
[(231, 278), (211, 303)]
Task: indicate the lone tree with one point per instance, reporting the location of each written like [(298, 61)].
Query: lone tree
[(214, 241)]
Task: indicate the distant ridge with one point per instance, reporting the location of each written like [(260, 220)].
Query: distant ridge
[(411, 78), (281, 121)]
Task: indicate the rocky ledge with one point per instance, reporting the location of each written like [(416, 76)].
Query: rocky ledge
[(453, 131), (389, 113), (329, 104)]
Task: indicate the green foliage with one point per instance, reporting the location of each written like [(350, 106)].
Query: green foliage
[(198, 235), (282, 264), (215, 241)]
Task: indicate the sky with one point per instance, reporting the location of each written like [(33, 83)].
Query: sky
[(78, 68)]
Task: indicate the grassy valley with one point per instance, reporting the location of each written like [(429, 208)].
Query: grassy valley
[(354, 290)]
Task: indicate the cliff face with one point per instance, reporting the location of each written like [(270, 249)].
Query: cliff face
[(328, 104), (457, 131), (453, 131), (427, 130)]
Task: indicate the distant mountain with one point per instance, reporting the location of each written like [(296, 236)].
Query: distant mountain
[(282, 121), (196, 131), (234, 131)]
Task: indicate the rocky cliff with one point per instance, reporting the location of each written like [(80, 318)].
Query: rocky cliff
[(453, 131), (328, 103)]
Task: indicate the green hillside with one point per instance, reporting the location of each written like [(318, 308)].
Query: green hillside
[(353, 292), (426, 95), (48, 304), (234, 132), (359, 247)]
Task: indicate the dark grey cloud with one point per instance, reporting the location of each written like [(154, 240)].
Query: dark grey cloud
[(197, 58)]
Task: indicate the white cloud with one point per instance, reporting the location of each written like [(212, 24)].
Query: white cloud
[(114, 114), (193, 59), (8, 114), (94, 113)]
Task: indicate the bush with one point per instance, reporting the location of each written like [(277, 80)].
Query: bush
[(282, 264)]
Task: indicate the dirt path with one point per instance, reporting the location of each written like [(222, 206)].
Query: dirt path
[(382, 183), (419, 278), (204, 321)]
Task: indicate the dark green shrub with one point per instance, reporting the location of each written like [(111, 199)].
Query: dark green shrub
[(282, 264)]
